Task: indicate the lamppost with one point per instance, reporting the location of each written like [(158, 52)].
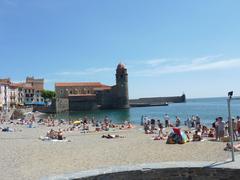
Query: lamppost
[(230, 94)]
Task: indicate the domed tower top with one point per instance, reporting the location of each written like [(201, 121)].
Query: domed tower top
[(121, 66)]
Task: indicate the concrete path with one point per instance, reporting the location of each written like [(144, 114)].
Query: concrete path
[(146, 167)]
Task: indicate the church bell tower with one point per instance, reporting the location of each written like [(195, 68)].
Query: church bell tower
[(122, 99)]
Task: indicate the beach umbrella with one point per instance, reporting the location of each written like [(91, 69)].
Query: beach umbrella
[(77, 122)]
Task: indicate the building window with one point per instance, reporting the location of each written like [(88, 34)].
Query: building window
[(32, 99)]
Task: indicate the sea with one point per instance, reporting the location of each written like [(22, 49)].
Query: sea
[(206, 108)]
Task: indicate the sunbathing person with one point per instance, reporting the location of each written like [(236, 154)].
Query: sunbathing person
[(7, 129), (55, 134), (235, 147), (211, 133), (147, 129), (160, 137), (112, 136), (60, 135), (52, 134), (129, 125), (197, 137)]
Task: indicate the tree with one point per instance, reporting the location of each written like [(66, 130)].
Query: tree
[(47, 94)]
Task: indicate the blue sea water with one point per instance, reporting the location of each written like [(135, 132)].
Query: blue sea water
[(206, 108)]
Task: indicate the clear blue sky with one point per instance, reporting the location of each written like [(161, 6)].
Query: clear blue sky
[(169, 46)]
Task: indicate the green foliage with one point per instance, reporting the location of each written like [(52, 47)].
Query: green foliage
[(47, 94)]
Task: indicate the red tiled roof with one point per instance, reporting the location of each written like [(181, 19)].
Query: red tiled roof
[(27, 86), (78, 84), (5, 81), (17, 84)]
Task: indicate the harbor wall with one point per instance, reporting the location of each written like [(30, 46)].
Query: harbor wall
[(159, 100)]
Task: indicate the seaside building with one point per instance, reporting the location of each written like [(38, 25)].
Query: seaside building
[(4, 94), (32, 90), (74, 96), (19, 94)]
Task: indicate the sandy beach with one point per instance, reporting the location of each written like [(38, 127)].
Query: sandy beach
[(24, 156)]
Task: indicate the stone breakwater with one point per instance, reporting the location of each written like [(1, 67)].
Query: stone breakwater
[(153, 101)]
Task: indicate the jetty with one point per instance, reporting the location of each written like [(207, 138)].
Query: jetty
[(156, 101)]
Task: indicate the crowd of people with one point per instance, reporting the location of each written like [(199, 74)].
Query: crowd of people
[(219, 130), (83, 125)]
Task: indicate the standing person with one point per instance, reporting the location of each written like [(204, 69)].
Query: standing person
[(160, 129), (234, 126), (188, 122), (158, 123), (93, 121), (166, 118), (198, 121), (193, 121), (221, 128), (215, 126), (152, 124), (238, 125), (142, 120), (106, 120), (178, 121)]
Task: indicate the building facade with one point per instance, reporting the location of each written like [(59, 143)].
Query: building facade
[(93, 95), (19, 94), (4, 95)]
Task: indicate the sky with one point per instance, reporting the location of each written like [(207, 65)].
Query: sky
[(168, 46)]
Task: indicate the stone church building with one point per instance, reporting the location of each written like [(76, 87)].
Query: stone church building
[(77, 96)]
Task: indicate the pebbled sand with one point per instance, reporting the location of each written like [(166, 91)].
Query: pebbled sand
[(24, 156)]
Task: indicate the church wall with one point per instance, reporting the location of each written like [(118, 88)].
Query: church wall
[(62, 104), (78, 103)]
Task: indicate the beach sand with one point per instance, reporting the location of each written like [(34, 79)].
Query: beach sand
[(24, 156)]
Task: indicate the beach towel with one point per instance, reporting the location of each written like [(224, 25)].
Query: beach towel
[(53, 140)]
